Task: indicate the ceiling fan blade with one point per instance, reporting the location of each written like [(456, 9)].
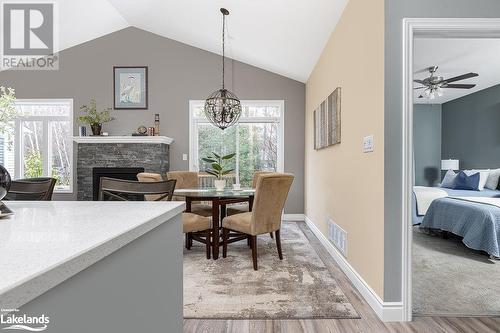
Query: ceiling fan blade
[(419, 81), (459, 86), (461, 77)]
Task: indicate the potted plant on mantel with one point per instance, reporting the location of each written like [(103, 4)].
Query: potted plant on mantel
[(93, 117), (217, 169)]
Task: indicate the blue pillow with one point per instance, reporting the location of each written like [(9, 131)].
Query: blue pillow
[(464, 182)]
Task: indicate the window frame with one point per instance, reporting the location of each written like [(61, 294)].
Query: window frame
[(18, 137), (193, 133)]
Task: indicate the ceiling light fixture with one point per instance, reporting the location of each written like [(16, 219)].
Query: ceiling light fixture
[(222, 107)]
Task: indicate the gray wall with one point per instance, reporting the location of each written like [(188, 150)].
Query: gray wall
[(395, 11), (427, 143), (177, 73), (471, 129)]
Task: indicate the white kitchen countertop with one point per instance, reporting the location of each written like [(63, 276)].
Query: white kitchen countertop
[(45, 243)]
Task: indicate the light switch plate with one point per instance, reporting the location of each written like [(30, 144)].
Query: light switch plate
[(368, 144), (184, 157)]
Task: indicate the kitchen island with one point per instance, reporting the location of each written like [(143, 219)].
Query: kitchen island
[(93, 266)]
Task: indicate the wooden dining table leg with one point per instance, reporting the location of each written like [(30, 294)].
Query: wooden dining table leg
[(215, 228)]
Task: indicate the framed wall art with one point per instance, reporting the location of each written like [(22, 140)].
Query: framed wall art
[(130, 87)]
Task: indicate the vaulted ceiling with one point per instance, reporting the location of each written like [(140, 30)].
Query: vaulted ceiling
[(282, 36)]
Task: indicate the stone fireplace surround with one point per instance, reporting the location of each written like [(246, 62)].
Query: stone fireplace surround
[(150, 153)]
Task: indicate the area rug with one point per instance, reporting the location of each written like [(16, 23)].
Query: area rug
[(450, 279), (298, 287)]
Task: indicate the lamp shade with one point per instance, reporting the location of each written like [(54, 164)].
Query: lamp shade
[(449, 165)]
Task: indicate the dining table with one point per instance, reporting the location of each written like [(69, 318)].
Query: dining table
[(219, 200)]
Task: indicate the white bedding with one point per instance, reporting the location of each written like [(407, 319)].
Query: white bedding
[(488, 201), (425, 196)]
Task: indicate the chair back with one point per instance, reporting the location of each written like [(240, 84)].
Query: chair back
[(37, 189), (131, 190), (185, 179), (256, 176), (270, 196), (148, 177)]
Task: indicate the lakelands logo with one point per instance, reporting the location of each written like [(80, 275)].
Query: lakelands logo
[(29, 36), (13, 321)]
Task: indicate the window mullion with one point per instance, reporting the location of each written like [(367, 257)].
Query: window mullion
[(45, 149), (237, 153)]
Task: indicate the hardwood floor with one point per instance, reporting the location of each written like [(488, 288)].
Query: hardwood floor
[(369, 321)]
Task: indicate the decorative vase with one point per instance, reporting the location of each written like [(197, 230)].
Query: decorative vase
[(220, 184), (96, 129), (5, 182)]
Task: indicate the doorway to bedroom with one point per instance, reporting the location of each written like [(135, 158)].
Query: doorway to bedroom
[(455, 201)]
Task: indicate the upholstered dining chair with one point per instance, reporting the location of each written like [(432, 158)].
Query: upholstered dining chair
[(38, 189), (189, 179), (194, 226), (243, 207), (270, 196)]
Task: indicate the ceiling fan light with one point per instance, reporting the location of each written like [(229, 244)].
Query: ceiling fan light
[(439, 91)]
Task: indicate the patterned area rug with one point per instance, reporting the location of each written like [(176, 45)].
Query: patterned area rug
[(300, 286)]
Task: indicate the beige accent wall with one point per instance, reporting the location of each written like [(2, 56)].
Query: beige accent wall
[(341, 181)]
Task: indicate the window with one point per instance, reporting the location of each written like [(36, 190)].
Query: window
[(257, 139), (40, 144)]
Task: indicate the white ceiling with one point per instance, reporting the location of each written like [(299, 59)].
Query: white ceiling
[(456, 56), (81, 21), (282, 36)]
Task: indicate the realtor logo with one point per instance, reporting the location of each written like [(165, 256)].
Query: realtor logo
[(29, 36)]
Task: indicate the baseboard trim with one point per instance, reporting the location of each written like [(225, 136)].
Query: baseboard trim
[(294, 217), (386, 311)]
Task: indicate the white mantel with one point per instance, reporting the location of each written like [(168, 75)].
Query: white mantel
[(123, 139)]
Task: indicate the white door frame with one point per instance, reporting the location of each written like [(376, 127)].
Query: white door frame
[(437, 28)]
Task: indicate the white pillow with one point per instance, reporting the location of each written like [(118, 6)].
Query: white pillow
[(483, 177), (449, 179), (493, 178)]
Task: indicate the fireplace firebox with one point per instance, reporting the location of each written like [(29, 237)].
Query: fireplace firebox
[(120, 173)]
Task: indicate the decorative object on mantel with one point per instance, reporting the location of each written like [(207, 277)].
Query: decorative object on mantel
[(327, 121), (93, 117), (82, 130), (130, 87), (157, 124), (217, 169), (151, 131), (222, 107), (141, 131)]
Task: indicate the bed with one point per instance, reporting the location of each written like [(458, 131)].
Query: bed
[(473, 215), (486, 193)]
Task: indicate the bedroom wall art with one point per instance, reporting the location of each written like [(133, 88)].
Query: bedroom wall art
[(327, 121)]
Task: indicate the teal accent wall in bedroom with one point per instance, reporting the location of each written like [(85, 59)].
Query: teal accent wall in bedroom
[(471, 129), (427, 143)]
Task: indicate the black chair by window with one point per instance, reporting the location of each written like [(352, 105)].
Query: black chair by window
[(130, 190), (37, 189)]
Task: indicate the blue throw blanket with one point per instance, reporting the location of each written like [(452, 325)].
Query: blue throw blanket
[(477, 223)]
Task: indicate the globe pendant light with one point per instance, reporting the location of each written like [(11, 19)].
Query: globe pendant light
[(222, 107)]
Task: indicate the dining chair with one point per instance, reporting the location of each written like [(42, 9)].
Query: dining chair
[(189, 179), (270, 196), (37, 189), (131, 190), (194, 226), (243, 207)]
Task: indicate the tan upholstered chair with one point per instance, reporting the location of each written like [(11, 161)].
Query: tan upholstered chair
[(194, 226), (243, 207), (189, 179), (270, 196)]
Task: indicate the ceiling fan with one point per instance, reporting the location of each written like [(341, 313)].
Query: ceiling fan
[(434, 84)]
